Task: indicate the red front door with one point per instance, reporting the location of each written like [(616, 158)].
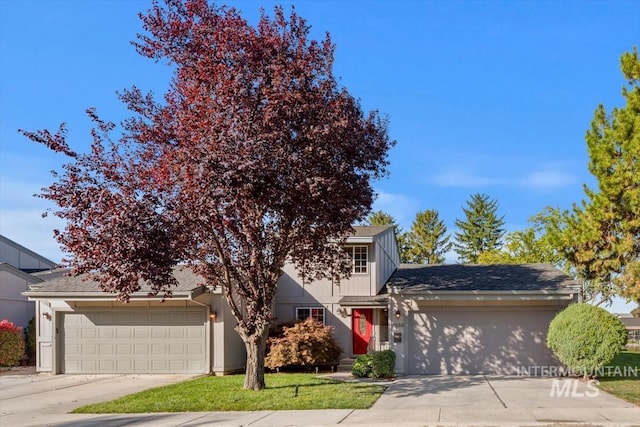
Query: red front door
[(362, 327)]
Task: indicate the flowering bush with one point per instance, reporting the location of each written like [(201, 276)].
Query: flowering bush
[(11, 344)]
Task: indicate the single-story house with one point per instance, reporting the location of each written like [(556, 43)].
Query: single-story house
[(475, 319), (82, 329), (441, 319)]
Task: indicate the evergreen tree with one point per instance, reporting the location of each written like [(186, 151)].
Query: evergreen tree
[(384, 218), (428, 239), (480, 231), (600, 238)]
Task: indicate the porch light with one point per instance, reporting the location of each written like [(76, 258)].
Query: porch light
[(397, 314), (213, 315)]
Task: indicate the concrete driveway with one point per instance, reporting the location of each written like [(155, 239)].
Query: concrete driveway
[(30, 399), (490, 400), (408, 401)]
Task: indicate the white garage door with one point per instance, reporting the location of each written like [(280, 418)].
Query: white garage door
[(479, 340), (134, 341)]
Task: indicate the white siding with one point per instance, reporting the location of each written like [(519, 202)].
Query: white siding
[(387, 259)]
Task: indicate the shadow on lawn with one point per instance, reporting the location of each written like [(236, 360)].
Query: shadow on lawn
[(322, 383)]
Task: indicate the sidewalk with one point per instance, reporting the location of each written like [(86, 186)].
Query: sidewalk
[(453, 416), (408, 401)]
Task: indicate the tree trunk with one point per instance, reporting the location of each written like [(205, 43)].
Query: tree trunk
[(256, 346)]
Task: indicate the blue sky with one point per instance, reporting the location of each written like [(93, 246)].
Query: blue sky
[(483, 96)]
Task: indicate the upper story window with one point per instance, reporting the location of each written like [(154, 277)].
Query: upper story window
[(316, 313), (359, 258)]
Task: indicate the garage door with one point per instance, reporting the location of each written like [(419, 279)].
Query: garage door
[(478, 341), (134, 341)]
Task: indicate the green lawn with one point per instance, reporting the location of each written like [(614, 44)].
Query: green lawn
[(627, 388), (226, 394)]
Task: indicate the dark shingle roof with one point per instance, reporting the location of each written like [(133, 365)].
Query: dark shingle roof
[(467, 277), (187, 281)]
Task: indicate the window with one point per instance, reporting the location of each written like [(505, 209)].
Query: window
[(316, 313), (359, 258)]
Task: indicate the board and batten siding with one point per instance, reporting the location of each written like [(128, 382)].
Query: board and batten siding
[(387, 259)]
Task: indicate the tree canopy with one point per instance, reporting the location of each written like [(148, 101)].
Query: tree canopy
[(255, 156), (428, 240), (523, 247), (481, 229), (600, 237)]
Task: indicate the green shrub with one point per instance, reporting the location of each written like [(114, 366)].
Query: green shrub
[(11, 344), (30, 339), (377, 364), (585, 337), (308, 343), (362, 366), (383, 364)]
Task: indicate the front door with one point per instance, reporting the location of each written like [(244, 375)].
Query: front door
[(362, 327)]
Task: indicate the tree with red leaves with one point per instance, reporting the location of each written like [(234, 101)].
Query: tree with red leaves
[(255, 157)]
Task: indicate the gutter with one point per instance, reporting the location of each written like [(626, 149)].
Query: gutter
[(101, 296)]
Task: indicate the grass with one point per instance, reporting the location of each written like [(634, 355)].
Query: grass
[(627, 388), (226, 394)]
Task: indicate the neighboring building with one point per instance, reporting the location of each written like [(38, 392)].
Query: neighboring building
[(16, 264), (447, 319), (633, 328)]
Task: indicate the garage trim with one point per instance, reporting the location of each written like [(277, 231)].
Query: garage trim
[(117, 327)]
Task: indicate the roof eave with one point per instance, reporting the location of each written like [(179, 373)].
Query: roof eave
[(361, 239), (103, 296), (478, 295)]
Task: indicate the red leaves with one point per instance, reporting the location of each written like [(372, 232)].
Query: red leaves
[(255, 155), (56, 142)]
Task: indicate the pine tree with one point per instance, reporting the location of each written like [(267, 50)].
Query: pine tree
[(600, 237), (480, 231), (428, 239), (384, 218)]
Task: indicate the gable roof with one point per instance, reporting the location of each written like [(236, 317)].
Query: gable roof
[(59, 287), (369, 230), (418, 278), (631, 322), (19, 273), (28, 251)]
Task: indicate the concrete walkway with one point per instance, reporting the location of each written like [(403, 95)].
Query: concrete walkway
[(408, 401)]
